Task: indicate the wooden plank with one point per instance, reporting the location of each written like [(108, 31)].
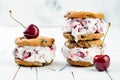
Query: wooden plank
[(46, 74), (7, 66), (57, 65), (7, 72), (87, 73), (114, 70), (26, 73)]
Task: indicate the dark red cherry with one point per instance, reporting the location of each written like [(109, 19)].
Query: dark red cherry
[(101, 62), (31, 31)]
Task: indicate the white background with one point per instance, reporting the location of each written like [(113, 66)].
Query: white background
[(49, 13)]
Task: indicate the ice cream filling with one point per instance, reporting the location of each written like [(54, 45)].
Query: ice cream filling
[(37, 53), (84, 26), (81, 54)]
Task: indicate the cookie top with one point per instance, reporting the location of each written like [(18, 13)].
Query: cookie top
[(74, 14), (39, 41), (83, 44)]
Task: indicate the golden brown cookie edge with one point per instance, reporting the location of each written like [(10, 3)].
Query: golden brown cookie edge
[(75, 14), (39, 41), (79, 63), (30, 63)]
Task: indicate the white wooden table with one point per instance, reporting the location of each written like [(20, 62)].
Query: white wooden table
[(59, 69)]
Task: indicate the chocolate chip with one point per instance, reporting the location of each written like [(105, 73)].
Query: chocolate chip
[(82, 36), (88, 21), (88, 16), (96, 24), (21, 37), (85, 27), (43, 41)]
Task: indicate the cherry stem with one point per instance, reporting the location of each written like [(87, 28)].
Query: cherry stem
[(105, 36), (106, 33), (15, 19)]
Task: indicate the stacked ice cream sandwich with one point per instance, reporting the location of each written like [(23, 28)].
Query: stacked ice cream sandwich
[(83, 31)]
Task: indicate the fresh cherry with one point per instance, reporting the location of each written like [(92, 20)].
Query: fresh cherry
[(101, 62), (32, 31)]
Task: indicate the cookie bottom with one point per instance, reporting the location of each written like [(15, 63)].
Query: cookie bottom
[(79, 63), (83, 37), (31, 63)]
